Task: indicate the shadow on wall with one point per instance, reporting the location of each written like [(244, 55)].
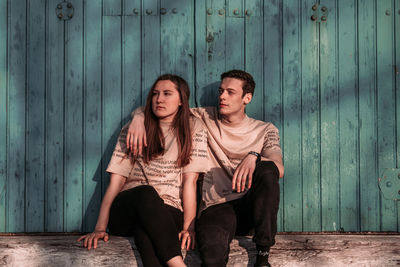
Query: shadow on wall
[(101, 178), (208, 95)]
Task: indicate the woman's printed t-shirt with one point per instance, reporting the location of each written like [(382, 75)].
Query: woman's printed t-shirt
[(162, 172), (228, 146)]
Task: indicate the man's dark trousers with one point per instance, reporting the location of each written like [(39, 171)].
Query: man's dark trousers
[(257, 210)]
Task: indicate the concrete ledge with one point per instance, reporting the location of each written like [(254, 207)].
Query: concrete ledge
[(290, 250)]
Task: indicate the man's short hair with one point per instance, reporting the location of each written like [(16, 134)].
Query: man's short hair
[(248, 81)]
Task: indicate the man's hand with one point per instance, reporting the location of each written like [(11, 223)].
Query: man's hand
[(243, 172), (93, 238), (187, 238), (136, 136)]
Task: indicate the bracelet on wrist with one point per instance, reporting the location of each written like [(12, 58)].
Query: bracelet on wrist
[(258, 155)]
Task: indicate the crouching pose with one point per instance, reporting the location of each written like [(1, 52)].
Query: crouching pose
[(152, 195)]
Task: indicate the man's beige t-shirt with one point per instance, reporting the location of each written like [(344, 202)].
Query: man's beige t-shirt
[(162, 172), (228, 146)]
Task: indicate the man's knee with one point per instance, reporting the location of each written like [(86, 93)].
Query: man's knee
[(266, 172)]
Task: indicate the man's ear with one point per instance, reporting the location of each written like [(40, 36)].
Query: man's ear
[(247, 98)]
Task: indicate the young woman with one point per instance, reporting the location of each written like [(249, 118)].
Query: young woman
[(153, 196)]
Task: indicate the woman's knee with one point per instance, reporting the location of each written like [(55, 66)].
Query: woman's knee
[(144, 194)]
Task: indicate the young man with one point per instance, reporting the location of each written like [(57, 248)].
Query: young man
[(240, 192)]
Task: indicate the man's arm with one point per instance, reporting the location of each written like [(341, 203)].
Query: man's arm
[(136, 136), (271, 152), (277, 159)]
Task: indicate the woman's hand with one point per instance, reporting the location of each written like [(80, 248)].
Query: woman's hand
[(188, 239), (93, 238)]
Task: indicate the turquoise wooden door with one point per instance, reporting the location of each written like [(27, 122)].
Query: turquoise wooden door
[(327, 75)]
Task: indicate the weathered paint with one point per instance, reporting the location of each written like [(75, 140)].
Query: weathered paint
[(331, 87), (3, 112), (35, 135), (329, 112)]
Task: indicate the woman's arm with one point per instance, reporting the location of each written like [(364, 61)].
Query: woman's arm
[(115, 186), (187, 235)]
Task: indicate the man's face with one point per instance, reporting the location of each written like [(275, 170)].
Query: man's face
[(231, 99)]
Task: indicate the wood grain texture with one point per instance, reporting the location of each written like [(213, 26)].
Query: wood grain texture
[(16, 114), (369, 195), (92, 114), (348, 115), (74, 73), (36, 123), (3, 112), (397, 79), (310, 124), (292, 184), (254, 55), (131, 57), (290, 250), (151, 45), (55, 122), (386, 154), (329, 106)]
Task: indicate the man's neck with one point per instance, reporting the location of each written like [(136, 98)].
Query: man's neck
[(233, 120)]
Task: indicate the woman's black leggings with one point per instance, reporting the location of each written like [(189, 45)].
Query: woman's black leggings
[(141, 213)]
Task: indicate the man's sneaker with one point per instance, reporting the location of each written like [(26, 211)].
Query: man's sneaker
[(262, 259)]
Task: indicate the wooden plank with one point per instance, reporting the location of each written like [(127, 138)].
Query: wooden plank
[(150, 45), (54, 121), (234, 35), (92, 113), (36, 80), (310, 120), (292, 184), (3, 112), (386, 105), (290, 250), (131, 68), (17, 107), (348, 115), (210, 50), (177, 42), (254, 48), (272, 80), (369, 193), (112, 85), (397, 73), (74, 120), (201, 54), (112, 7), (329, 131), (65, 251)]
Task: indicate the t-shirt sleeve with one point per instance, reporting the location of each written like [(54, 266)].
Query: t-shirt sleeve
[(138, 112), (121, 161), (199, 156), (271, 142)]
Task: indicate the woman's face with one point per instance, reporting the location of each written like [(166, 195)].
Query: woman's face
[(165, 100)]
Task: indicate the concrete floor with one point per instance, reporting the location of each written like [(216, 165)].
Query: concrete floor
[(290, 250)]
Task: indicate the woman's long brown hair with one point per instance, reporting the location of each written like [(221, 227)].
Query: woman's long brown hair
[(180, 124)]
